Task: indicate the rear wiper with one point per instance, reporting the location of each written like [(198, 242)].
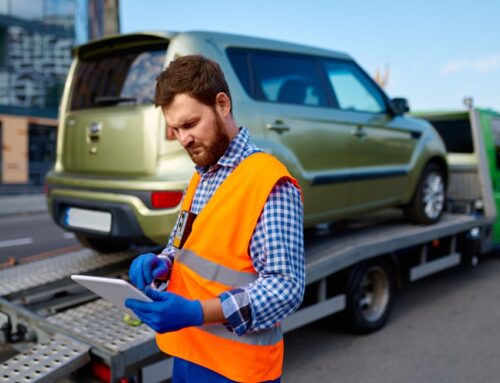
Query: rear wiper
[(113, 100)]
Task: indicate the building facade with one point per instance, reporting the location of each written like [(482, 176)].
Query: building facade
[(36, 38)]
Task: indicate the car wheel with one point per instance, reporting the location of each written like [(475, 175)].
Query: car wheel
[(101, 245), (369, 296), (428, 201)]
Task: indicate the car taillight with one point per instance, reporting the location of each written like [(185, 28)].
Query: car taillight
[(165, 199)]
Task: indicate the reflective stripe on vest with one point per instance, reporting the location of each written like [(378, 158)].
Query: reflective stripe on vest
[(260, 338), (213, 271)]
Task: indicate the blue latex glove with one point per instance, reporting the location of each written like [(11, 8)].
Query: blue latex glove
[(147, 267), (168, 312)]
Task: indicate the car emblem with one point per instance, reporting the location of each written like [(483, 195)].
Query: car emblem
[(94, 130), (93, 134)]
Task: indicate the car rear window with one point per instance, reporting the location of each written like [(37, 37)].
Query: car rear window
[(119, 77)]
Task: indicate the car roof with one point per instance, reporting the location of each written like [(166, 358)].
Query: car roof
[(242, 41), (225, 40)]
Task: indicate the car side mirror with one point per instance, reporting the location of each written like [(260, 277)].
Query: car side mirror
[(400, 106)]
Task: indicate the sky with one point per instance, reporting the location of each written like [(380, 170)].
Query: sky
[(436, 51)]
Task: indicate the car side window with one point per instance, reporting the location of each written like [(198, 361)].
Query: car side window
[(240, 63), (288, 79), (353, 90)]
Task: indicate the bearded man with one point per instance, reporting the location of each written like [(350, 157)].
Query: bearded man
[(234, 262)]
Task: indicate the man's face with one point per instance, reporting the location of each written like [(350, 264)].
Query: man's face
[(198, 128)]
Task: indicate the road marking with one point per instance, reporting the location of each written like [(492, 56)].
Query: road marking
[(68, 236), (16, 242)]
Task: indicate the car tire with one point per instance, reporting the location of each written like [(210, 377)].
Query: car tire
[(427, 204), (103, 246), (369, 297)]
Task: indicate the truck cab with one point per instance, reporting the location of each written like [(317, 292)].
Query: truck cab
[(460, 130)]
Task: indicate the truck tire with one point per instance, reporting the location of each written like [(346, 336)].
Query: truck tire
[(427, 204), (369, 296), (103, 246)]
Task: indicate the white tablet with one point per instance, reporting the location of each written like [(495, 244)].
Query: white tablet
[(114, 290)]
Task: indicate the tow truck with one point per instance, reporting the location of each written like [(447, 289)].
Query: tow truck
[(53, 330)]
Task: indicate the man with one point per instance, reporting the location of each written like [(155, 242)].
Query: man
[(235, 259)]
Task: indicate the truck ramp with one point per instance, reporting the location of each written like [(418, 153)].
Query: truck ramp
[(101, 324), (39, 273), (46, 362)]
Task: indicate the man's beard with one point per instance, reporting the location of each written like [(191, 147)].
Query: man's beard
[(207, 155)]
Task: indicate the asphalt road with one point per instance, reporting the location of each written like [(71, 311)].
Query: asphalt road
[(445, 328), (32, 234)]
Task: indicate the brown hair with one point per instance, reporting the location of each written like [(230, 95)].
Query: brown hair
[(195, 75)]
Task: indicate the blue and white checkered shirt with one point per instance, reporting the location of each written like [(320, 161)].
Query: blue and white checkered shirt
[(276, 247)]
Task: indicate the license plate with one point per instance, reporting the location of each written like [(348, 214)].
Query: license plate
[(88, 219)]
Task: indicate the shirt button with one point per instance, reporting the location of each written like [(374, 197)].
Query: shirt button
[(205, 183)]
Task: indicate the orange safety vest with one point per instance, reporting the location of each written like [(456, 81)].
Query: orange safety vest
[(214, 259)]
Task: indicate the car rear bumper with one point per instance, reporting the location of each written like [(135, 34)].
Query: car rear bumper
[(131, 220)]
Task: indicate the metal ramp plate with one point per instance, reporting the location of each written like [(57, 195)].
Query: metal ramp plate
[(38, 273), (101, 324), (45, 362)]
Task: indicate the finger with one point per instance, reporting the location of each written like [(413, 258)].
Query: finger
[(161, 270), (138, 306), (147, 269), (136, 270), (155, 295)]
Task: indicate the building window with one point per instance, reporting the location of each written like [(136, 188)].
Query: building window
[(42, 152)]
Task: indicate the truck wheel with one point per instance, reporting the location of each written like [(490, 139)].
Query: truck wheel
[(101, 245), (369, 296), (427, 204)]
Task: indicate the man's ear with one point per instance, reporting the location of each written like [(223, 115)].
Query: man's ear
[(223, 104), (170, 134)]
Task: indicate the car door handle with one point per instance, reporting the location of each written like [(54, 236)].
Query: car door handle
[(358, 132), (278, 126)]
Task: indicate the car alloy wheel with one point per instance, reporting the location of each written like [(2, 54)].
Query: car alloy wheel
[(433, 195)]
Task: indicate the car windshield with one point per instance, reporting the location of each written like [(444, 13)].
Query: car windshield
[(124, 77)]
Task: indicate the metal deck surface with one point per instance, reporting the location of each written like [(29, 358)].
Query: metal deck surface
[(359, 240), (101, 324), (39, 273), (45, 362)]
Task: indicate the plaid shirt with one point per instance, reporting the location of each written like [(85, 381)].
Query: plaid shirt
[(276, 247)]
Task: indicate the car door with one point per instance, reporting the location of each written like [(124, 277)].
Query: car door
[(303, 130), (381, 146)]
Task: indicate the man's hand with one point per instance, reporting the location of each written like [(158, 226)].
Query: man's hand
[(147, 267), (168, 312)]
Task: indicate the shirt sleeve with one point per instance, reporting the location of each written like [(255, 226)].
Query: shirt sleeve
[(277, 252)]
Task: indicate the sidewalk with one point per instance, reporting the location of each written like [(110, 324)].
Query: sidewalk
[(22, 204)]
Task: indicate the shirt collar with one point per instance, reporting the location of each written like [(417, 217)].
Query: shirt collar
[(233, 154)]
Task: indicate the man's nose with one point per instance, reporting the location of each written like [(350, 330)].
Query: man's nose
[(185, 138)]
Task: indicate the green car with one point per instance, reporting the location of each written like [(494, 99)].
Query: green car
[(118, 180)]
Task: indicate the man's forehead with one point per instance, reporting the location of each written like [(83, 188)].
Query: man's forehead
[(182, 108), (178, 116)]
